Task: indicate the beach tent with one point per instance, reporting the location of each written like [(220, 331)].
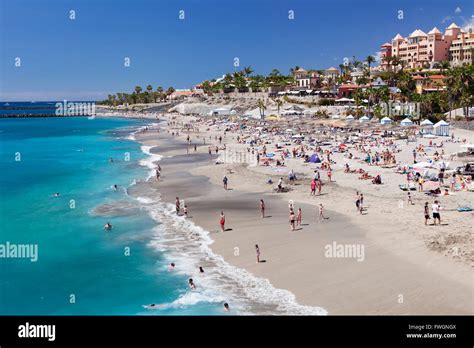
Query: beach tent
[(427, 126), (386, 120), (350, 118), (441, 128), (314, 159), (364, 119), (335, 117), (406, 122), (426, 123)]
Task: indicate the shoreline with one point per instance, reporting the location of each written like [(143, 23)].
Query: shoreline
[(284, 274), (186, 241)]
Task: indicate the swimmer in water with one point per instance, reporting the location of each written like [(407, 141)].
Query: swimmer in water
[(201, 270), (171, 266), (115, 187), (108, 226), (226, 307), (111, 159), (55, 194), (191, 284)]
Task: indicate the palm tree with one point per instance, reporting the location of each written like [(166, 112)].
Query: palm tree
[(247, 71), (138, 91), (292, 70), (262, 107), (149, 89), (444, 65), (279, 103), (370, 59)]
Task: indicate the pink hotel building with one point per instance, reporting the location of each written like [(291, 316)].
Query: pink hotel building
[(421, 50)]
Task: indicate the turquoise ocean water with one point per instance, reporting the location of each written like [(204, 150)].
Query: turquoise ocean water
[(77, 259)]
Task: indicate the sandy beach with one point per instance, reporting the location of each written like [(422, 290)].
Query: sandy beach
[(405, 268)]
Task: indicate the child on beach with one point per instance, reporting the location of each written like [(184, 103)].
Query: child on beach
[(435, 208), (222, 221), (292, 220), (262, 208), (321, 214), (225, 180), (299, 217), (185, 210), (257, 251), (313, 187), (427, 213), (409, 199), (329, 174)]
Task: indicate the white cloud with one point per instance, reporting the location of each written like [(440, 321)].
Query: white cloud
[(468, 24), (457, 10), (445, 19)]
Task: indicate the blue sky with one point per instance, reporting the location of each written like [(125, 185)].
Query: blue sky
[(84, 58)]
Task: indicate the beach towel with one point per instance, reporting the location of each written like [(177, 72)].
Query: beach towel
[(464, 209)]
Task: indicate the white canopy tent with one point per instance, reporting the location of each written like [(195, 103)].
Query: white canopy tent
[(406, 122), (441, 128), (364, 119), (426, 123), (386, 120)]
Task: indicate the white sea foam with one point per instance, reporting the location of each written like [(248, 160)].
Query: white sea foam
[(188, 246), (149, 161)]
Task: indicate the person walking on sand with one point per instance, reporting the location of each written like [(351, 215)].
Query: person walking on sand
[(262, 208), (299, 217), (435, 208), (185, 210), (321, 213), (427, 213), (209, 150), (313, 187), (329, 174), (361, 203), (222, 221), (410, 202), (292, 220), (257, 251), (421, 181), (225, 180), (178, 205)]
